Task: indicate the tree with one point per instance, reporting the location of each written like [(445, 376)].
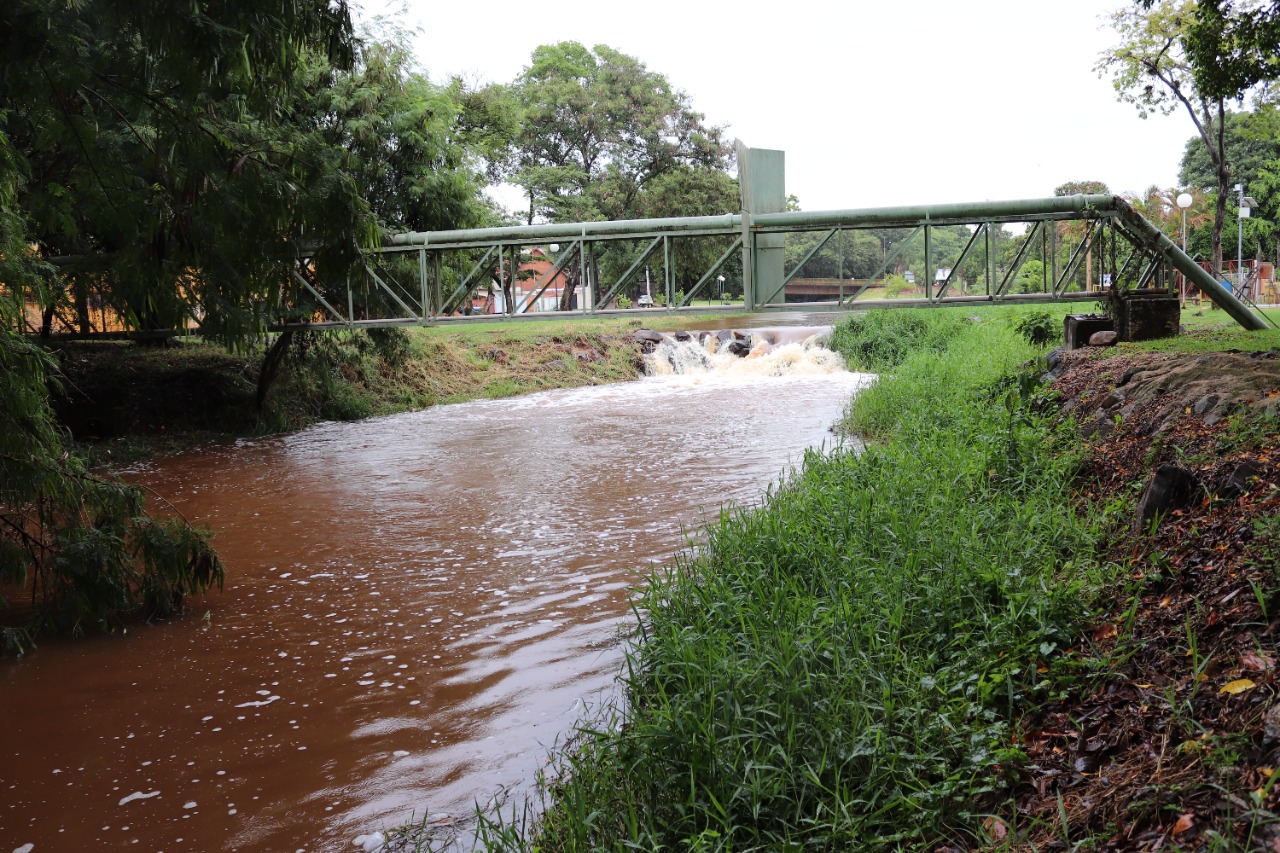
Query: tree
[(408, 142), (1150, 69), (80, 544), (1232, 45), (416, 152), (145, 147), (1253, 149), (1161, 64), (1071, 233), (598, 128), (687, 190), (1250, 146), (161, 158)]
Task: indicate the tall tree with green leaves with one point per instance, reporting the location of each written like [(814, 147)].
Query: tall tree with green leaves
[(415, 149), (1253, 149), (599, 128), (161, 159), (1182, 54), (145, 146), (79, 546), (1232, 45), (1150, 68)]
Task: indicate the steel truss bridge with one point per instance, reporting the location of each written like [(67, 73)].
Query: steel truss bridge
[(433, 278)]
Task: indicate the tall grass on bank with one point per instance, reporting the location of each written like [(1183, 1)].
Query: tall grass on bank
[(878, 341), (838, 669)]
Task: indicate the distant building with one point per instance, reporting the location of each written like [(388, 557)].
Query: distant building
[(533, 291)]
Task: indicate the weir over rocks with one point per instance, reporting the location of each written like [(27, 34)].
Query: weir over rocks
[(782, 351)]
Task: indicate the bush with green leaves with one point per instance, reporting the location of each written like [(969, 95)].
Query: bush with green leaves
[(79, 546), (1031, 278), (896, 286), (1038, 327)]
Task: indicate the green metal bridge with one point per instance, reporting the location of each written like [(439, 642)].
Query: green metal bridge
[(1088, 246)]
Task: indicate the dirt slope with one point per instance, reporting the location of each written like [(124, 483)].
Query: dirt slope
[(1167, 735)]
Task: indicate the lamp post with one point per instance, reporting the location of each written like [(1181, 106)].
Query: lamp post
[(1184, 201), (720, 278), (1246, 204)]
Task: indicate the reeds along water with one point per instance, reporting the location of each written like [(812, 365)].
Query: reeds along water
[(763, 357)]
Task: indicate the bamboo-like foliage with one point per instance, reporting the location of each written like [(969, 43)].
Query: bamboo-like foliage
[(78, 549)]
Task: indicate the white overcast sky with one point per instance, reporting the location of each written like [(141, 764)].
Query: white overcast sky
[(875, 103)]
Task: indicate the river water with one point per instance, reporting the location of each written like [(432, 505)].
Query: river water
[(417, 607)]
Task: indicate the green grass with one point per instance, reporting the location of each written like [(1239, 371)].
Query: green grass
[(1213, 330), (480, 332), (838, 669), (878, 341)]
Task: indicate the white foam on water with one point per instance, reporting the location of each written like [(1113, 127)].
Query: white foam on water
[(712, 356), (371, 843), (138, 795)]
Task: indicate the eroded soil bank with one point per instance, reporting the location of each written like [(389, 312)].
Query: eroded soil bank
[(1166, 733), (121, 401)]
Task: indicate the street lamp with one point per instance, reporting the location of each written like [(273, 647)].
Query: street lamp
[(720, 278), (1184, 201), (1246, 204)]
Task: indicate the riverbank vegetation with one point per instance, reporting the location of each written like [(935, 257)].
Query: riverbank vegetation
[(974, 634), (77, 552), (843, 666)]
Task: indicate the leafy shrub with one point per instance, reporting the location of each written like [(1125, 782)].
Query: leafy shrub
[(394, 345), (880, 340), (1038, 327), (1030, 278), (896, 285), (80, 546), (624, 302), (325, 378)]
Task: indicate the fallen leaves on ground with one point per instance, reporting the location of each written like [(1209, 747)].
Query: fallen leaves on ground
[(1158, 739)]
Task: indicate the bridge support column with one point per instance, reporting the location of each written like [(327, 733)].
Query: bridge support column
[(762, 185)]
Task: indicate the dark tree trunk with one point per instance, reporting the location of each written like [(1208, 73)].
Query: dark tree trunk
[(571, 277), (82, 307), (271, 364), (1218, 153)]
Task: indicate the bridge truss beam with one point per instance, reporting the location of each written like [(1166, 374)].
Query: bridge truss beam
[(1087, 245)]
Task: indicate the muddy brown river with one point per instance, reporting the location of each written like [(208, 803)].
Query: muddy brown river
[(417, 607)]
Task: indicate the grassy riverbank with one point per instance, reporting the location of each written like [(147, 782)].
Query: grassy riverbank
[(842, 667)]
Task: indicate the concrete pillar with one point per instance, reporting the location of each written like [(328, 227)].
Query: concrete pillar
[(762, 185)]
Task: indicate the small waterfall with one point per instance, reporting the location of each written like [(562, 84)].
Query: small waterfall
[(759, 352)]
